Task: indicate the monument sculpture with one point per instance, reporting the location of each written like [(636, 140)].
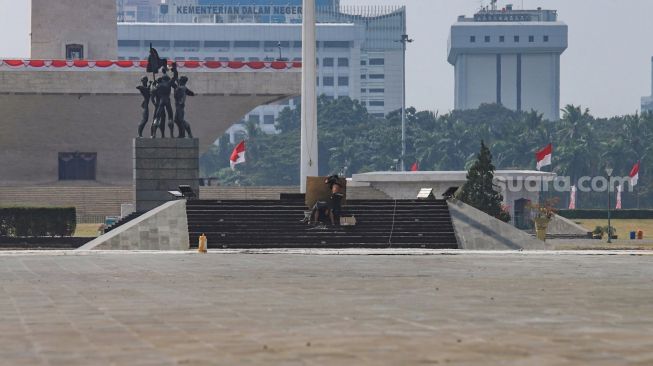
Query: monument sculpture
[(144, 88), (159, 91), (180, 107)]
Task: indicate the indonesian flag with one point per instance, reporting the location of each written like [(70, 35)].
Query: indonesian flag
[(543, 157), (238, 155), (619, 190), (572, 198), (414, 167), (634, 174)]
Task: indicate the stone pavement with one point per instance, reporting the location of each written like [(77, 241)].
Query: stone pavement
[(62, 308)]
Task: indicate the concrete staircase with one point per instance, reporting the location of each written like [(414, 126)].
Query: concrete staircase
[(276, 224)]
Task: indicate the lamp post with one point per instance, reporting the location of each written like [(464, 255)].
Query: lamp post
[(609, 172), (404, 40)]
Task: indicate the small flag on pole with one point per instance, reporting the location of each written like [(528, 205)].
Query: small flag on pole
[(414, 167), (543, 157), (634, 174), (572, 199), (238, 155), (619, 190)]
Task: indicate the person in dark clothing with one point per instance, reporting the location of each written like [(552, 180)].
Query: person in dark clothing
[(330, 208)]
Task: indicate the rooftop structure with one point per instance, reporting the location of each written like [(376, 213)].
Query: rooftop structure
[(510, 57)]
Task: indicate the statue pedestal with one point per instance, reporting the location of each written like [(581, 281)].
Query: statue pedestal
[(162, 165)]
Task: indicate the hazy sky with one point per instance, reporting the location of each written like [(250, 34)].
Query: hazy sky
[(607, 67)]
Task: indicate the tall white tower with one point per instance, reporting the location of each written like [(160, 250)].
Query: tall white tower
[(309, 149), (510, 57)]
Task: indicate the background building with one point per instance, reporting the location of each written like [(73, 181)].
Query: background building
[(647, 102), (358, 53), (510, 57)]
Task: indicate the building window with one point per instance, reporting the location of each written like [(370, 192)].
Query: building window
[(377, 62), (187, 44), (472, 39), (268, 119), (487, 39), (546, 38), (327, 81), (216, 44), (516, 39), (377, 103), (74, 52), (77, 166), (363, 90), (377, 90), (328, 62), (502, 39), (531, 39), (247, 44), (343, 62), (363, 77), (343, 81), (158, 43), (336, 44), (129, 43), (254, 118), (363, 63), (377, 76)]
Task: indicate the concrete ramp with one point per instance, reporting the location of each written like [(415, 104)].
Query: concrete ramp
[(163, 228), (479, 231)]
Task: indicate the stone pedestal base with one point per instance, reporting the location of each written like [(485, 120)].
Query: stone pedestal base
[(161, 165)]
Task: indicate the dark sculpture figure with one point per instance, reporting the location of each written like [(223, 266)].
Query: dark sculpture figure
[(144, 88), (159, 92), (163, 91), (159, 115), (180, 107)]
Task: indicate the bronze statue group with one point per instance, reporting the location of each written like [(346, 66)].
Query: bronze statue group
[(158, 92)]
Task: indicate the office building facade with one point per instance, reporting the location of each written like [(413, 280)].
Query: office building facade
[(358, 53), (510, 57)]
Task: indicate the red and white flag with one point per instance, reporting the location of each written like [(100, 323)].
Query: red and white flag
[(543, 157), (572, 198), (619, 190), (414, 167), (634, 175), (238, 155)]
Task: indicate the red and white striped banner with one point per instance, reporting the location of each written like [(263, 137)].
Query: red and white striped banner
[(141, 65)]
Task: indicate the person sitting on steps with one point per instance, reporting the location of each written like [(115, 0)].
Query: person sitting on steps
[(330, 209)]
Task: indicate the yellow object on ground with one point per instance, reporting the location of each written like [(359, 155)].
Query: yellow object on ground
[(202, 245)]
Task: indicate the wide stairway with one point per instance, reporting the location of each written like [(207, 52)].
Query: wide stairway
[(277, 224)]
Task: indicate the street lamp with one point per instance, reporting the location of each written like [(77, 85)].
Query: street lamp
[(609, 172), (404, 40)]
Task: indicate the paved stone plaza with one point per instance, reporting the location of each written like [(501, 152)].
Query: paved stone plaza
[(289, 309)]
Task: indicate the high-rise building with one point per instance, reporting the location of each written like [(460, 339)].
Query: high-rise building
[(647, 102), (510, 57), (359, 55)]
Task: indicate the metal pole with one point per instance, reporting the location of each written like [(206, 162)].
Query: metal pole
[(403, 107), (609, 226), (309, 150), (404, 40)]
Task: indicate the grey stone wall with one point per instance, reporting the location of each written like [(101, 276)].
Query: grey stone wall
[(163, 228), (90, 23), (161, 165), (47, 112), (479, 231)]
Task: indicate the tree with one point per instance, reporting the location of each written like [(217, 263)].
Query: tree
[(480, 191)]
